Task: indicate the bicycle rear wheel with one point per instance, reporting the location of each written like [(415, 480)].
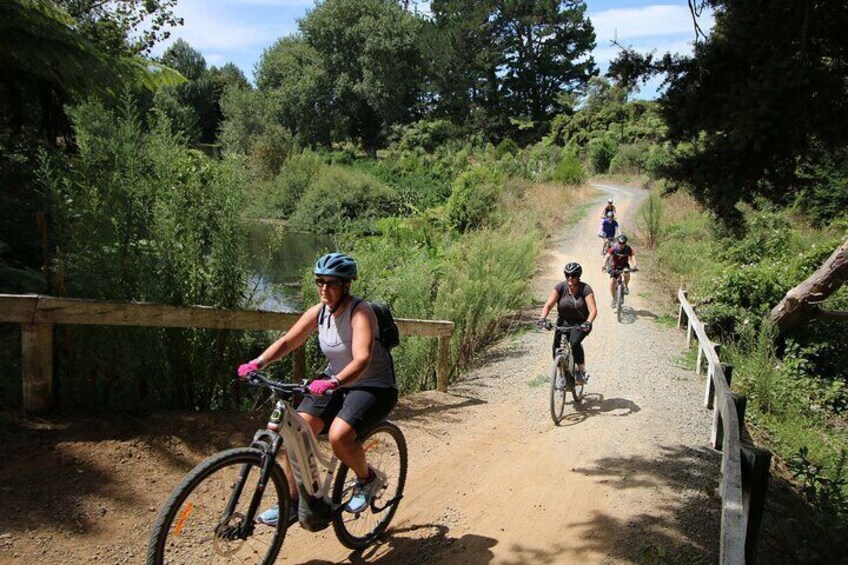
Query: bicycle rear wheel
[(198, 525), (385, 448), (559, 381)]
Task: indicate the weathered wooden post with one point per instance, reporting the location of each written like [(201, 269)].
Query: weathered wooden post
[(709, 392), (443, 370), (741, 403), (717, 434), (37, 364), (755, 479), (680, 311)]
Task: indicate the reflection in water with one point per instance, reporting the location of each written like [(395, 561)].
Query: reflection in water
[(278, 259)]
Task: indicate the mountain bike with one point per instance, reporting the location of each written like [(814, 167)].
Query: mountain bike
[(563, 374), (608, 242), (619, 288), (211, 517)]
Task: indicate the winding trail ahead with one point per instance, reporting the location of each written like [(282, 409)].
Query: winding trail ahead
[(491, 479)]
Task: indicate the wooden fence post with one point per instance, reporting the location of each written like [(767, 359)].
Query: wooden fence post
[(717, 434), (680, 312), (755, 479), (443, 369), (688, 333), (37, 364), (709, 391), (299, 363), (698, 359), (741, 403)]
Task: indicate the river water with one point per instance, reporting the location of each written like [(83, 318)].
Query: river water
[(278, 261)]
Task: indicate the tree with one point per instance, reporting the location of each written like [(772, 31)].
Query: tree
[(546, 46), (294, 72), (511, 59), (765, 91), (123, 27), (369, 49)]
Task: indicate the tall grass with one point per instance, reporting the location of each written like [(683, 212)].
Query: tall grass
[(651, 219)]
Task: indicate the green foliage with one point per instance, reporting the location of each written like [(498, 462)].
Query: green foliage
[(485, 277), (252, 130), (753, 101), (280, 196), (140, 217), (474, 198), (506, 147), (569, 170), (601, 151), (424, 135), (825, 175), (651, 219), (340, 199)]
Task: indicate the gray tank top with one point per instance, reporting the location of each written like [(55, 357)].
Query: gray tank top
[(335, 336)]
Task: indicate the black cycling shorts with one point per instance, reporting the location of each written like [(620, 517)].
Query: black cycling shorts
[(362, 408), (614, 271)]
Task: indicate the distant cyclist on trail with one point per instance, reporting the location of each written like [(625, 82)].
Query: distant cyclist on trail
[(609, 227), (360, 367), (575, 303), (610, 207), (617, 259)]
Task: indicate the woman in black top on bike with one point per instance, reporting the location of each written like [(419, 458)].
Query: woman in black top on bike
[(575, 302)]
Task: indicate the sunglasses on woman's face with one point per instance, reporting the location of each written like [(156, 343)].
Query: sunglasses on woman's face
[(329, 283)]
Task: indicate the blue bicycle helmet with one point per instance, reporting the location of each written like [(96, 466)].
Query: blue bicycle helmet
[(336, 265)]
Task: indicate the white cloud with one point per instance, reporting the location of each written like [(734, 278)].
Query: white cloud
[(649, 21)]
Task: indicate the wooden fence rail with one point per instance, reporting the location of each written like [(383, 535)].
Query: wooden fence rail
[(744, 468), (37, 315)]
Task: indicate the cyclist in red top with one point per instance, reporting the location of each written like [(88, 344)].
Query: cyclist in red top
[(617, 259)]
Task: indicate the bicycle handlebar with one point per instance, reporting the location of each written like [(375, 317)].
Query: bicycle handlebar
[(256, 378), (549, 326)]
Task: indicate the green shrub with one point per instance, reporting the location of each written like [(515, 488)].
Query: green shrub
[(569, 170), (474, 198), (630, 159), (506, 147), (601, 151), (424, 134), (281, 195), (140, 217), (340, 199)]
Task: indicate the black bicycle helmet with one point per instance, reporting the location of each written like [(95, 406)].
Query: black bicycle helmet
[(336, 265), (622, 239), (573, 270)]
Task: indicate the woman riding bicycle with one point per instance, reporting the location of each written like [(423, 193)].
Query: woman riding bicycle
[(359, 366), (616, 260), (575, 302)]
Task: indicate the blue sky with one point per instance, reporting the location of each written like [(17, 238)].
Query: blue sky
[(238, 31)]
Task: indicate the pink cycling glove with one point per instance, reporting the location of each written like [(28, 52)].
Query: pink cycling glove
[(247, 368), (321, 386)]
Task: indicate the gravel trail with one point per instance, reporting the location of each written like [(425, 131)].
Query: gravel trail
[(626, 478)]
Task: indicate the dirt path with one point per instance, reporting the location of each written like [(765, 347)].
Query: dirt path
[(625, 478)]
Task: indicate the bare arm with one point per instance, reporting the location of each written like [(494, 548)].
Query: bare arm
[(593, 308), (633, 256), (295, 337), (552, 299)]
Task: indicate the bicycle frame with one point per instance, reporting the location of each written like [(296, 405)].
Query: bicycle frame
[(307, 459)]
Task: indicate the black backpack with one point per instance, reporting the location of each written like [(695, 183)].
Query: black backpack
[(388, 332)]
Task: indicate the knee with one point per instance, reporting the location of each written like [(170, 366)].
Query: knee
[(341, 436)]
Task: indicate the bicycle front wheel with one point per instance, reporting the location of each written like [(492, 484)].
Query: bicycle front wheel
[(619, 300), (205, 518), (385, 449), (559, 381)]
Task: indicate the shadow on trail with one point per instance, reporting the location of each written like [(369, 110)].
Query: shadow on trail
[(629, 315), (686, 532), (422, 544), (594, 404)]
